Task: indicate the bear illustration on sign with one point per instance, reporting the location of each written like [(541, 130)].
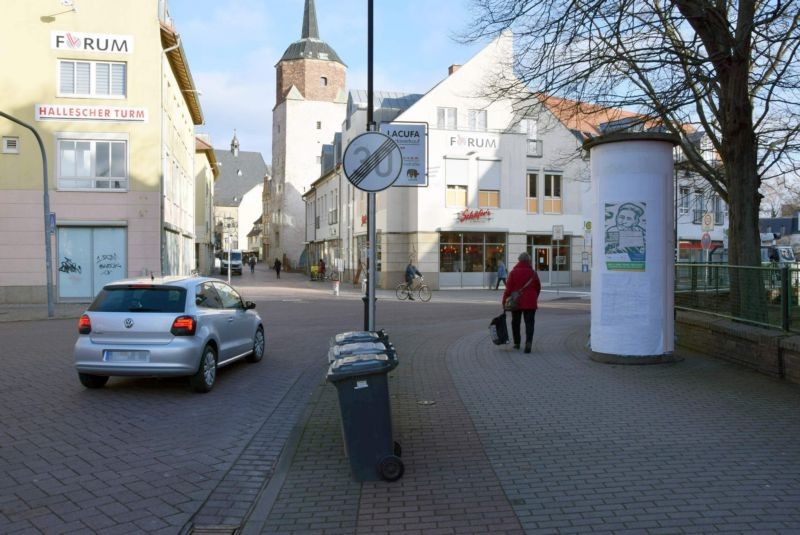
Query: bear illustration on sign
[(412, 173)]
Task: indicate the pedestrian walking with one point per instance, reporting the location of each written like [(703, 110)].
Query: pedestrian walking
[(321, 269), (277, 267), (252, 263), (502, 274), (523, 279)]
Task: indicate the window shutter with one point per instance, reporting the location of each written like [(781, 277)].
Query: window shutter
[(489, 174), (82, 78), (456, 171), (67, 77), (118, 79), (102, 78)]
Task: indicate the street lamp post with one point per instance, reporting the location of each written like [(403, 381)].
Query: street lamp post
[(48, 255)]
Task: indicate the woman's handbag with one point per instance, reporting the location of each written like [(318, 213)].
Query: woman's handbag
[(512, 301), (498, 330)]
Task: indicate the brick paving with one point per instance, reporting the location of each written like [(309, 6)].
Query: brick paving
[(493, 440)]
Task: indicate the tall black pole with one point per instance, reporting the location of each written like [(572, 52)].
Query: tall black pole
[(48, 255), (369, 299)]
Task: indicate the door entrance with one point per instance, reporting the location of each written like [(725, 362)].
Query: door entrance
[(541, 259)]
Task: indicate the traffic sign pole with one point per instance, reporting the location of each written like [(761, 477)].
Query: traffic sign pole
[(369, 317)]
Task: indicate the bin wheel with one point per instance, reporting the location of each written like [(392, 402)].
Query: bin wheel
[(391, 468)]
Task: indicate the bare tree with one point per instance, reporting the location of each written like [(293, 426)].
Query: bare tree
[(727, 68)]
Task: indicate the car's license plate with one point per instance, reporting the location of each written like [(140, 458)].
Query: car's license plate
[(126, 356)]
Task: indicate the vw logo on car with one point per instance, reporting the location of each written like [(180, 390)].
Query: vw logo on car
[(128, 323)]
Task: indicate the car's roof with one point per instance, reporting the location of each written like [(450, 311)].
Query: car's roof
[(172, 280)]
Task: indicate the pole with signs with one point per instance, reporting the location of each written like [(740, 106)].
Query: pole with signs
[(371, 162)]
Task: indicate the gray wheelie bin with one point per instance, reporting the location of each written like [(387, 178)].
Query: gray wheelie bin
[(363, 387)]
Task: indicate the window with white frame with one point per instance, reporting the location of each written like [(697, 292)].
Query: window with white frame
[(456, 196), (92, 161), (530, 127), (489, 183), (477, 120), (552, 193), (532, 193), (489, 198), (719, 210), (91, 79), (446, 118), (684, 198), (699, 207)]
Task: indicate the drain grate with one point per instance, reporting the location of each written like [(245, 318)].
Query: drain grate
[(216, 530)]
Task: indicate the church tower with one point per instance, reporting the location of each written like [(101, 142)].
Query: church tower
[(310, 107)]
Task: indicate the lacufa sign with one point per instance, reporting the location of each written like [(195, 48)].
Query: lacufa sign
[(412, 140)]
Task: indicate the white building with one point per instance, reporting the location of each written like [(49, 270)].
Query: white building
[(499, 181)]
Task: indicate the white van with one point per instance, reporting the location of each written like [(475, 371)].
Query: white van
[(235, 262)]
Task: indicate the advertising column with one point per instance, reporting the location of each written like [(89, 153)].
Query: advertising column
[(633, 254)]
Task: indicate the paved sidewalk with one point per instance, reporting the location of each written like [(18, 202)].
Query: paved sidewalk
[(496, 441)]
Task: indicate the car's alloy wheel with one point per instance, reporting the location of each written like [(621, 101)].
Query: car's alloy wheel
[(203, 380), (258, 346)]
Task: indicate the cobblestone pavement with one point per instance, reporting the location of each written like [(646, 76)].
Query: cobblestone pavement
[(493, 440)]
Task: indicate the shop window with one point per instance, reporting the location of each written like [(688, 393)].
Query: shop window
[(532, 196), (552, 194), (489, 198), (456, 196), (88, 163), (477, 120), (92, 79), (446, 118)]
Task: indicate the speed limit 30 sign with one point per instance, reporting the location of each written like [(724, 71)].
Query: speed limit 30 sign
[(372, 161)]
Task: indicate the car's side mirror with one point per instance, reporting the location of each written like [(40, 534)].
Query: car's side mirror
[(248, 305)]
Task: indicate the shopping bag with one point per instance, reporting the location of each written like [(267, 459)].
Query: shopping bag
[(498, 330)]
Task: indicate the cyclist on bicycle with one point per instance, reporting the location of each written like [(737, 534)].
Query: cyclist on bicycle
[(411, 272)]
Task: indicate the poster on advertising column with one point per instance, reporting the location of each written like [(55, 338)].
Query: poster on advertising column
[(413, 140), (625, 236)]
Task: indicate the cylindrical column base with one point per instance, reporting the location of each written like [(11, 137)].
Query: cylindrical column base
[(607, 358)]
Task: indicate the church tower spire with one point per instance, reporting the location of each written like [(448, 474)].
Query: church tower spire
[(310, 65), (310, 29)]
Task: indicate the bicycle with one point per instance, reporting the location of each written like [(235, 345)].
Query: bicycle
[(423, 292)]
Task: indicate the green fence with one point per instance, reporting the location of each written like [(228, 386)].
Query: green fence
[(768, 296)]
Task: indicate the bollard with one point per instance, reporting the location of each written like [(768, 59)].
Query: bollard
[(336, 287)]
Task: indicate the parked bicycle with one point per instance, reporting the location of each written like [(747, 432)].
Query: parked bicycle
[(403, 291)]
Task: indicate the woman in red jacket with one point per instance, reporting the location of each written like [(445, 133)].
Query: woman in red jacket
[(521, 275)]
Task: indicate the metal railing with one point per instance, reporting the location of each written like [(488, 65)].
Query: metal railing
[(768, 296)]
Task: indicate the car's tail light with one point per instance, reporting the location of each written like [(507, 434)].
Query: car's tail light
[(184, 326), (84, 325)]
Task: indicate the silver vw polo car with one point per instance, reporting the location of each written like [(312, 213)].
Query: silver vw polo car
[(165, 327)]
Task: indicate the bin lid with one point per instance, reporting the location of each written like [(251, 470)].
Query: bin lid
[(360, 348), (358, 336), (358, 365)]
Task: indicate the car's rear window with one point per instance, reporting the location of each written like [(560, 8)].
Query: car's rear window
[(132, 299)]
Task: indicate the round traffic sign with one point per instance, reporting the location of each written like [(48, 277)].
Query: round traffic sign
[(705, 241), (372, 161)]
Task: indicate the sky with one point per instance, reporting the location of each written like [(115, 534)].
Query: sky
[(232, 49)]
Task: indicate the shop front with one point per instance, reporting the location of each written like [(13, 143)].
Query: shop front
[(551, 259), (470, 259), (88, 259)]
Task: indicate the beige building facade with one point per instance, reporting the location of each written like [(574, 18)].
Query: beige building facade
[(108, 89)]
